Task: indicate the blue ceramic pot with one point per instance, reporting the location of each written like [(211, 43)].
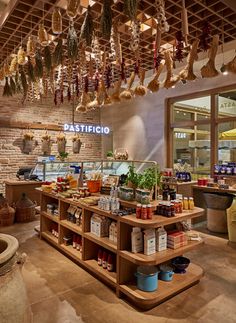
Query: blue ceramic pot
[(147, 278), (166, 273)]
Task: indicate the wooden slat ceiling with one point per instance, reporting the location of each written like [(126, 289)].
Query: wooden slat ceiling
[(27, 14)]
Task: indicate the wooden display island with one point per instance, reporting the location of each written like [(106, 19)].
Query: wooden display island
[(123, 280)]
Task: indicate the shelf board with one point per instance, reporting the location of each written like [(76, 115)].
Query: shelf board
[(215, 189), (72, 226), (165, 289), (159, 220), (75, 254), (97, 210), (104, 274), (133, 204), (158, 257), (104, 242), (38, 209), (54, 218), (48, 236)]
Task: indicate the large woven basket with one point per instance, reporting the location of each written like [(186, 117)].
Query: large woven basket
[(25, 209), (7, 215)]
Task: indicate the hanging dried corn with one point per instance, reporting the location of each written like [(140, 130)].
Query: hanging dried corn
[(38, 69), (58, 53), (161, 17), (56, 21), (170, 79), (87, 28), (231, 66), (30, 47), (72, 8), (47, 59), (42, 35), (140, 89), (106, 19), (21, 56), (130, 8), (13, 65), (72, 42), (7, 89)]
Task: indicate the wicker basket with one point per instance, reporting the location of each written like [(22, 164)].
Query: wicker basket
[(7, 215), (25, 209)]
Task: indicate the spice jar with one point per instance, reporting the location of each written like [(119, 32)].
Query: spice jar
[(110, 263), (100, 254), (56, 22), (149, 212), (138, 211), (104, 260), (144, 212)]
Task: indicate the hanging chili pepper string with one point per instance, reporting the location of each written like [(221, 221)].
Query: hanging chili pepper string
[(205, 36)]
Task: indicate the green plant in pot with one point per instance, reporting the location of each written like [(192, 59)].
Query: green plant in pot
[(110, 154), (133, 177), (62, 156), (150, 177)]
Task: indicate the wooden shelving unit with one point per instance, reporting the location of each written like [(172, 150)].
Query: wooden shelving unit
[(123, 280)]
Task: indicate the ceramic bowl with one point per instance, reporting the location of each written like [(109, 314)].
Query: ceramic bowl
[(180, 264)]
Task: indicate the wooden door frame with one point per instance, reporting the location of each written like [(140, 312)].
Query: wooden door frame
[(213, 121)]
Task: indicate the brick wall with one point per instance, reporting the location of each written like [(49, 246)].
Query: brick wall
[(11, 109)]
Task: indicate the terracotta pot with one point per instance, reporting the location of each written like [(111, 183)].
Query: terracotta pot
[(14, 306)]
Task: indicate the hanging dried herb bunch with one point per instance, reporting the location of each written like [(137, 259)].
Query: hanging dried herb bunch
[(12, 85), (30, 71), (72, 42), (47, 59), (7, 89), (38, 69), (87, 27), (17, 83), (58, 53), (130, 8), (23, 81), (106, 19)]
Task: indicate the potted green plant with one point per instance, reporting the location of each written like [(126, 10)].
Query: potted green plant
[(133, 178), (62, 156), (150, 178), (110, 154)]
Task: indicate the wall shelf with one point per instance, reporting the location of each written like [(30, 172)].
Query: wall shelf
[(110, 277), (54, 218)]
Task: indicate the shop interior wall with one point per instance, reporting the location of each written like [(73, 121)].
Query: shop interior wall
[(139, 125), (45, 112)]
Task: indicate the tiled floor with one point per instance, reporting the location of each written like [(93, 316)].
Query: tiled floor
[(61, 292)]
